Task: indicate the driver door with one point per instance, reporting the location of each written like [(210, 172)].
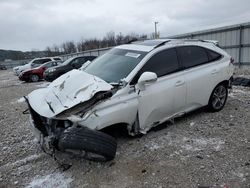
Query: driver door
[(167, 95)]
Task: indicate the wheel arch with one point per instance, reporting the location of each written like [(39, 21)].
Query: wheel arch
[(115, 128), (224, 82)]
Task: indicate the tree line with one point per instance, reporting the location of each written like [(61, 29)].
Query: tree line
[(110, 39)]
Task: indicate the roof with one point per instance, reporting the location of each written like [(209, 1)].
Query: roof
[(148, 45)]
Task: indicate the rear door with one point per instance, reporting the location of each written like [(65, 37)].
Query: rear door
[(201, 74), (164, 97)]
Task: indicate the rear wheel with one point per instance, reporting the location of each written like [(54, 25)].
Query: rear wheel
[(34, 78), (218, 98), (97, 145)]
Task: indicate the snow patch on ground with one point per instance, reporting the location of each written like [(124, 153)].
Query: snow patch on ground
[(240, 175), (153, 146), (186, 143), (201, 143), (21, 162), (21, 100), (51, 181)]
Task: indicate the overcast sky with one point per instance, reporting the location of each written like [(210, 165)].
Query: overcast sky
[(35, 24)]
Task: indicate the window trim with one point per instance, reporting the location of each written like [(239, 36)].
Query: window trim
[(133, 82)]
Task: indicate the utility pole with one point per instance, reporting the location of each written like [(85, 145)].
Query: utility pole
[(156, 29)]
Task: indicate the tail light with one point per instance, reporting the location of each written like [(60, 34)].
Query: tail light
[(232, 61)]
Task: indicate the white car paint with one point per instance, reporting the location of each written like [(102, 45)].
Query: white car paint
[(68, 90), (17, 70), (160, 100)]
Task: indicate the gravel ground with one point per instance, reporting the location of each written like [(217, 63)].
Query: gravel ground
[(200, 149)]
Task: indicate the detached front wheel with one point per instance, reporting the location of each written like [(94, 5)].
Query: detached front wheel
[(218, 98), (97, 145)]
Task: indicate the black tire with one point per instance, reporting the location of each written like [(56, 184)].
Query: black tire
[(91, 141), (34, 78), (218, 98)]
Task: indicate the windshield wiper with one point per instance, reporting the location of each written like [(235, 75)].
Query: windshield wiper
[(120, 83)]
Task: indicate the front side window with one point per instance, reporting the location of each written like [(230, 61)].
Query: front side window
[(162, 63), (191, 56), (36, 62), (77, 63), (115, 65)]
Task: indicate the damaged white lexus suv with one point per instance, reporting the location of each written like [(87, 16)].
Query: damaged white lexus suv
[(140, 85)]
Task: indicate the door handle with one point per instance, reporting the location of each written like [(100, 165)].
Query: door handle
[(179, 83), (214, 71)]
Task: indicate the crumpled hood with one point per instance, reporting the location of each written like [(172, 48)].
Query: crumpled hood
[(65, 92)]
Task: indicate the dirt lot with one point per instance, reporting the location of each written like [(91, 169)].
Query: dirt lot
[(199, 150)]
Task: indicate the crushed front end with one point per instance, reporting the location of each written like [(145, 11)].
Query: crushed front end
[(52, 108)]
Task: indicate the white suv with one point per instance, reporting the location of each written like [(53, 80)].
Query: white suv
[(34, 63), (139, 85)]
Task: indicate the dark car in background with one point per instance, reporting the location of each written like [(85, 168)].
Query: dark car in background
[(68, 65), (3, 67), (36, 74)]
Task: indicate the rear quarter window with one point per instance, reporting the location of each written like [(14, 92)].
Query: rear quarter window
[(212, 55)]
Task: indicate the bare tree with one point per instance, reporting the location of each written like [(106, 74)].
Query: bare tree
[(80, 45), (48, 51), (119, 39), (69, 47), (110, 39)]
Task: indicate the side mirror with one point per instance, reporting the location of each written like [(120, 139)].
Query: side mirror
[(146, 78)]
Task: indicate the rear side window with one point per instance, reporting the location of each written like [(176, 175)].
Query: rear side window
[(42, 61), (36, 61), (192, 56), (162, 63), (213, 56)]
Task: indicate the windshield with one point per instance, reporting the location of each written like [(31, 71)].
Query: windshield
[(115, 64), (67, 61)]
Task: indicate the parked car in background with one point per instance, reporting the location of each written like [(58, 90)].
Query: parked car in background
[(36, 74), (34, 63), (139, 85), (3, 67), (68, 65)]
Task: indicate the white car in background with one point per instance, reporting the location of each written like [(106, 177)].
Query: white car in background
[(33, 64), (139, 85)]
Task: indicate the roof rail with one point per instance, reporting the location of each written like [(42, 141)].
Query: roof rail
[(162, 43), (215, 42), (135, 40)]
